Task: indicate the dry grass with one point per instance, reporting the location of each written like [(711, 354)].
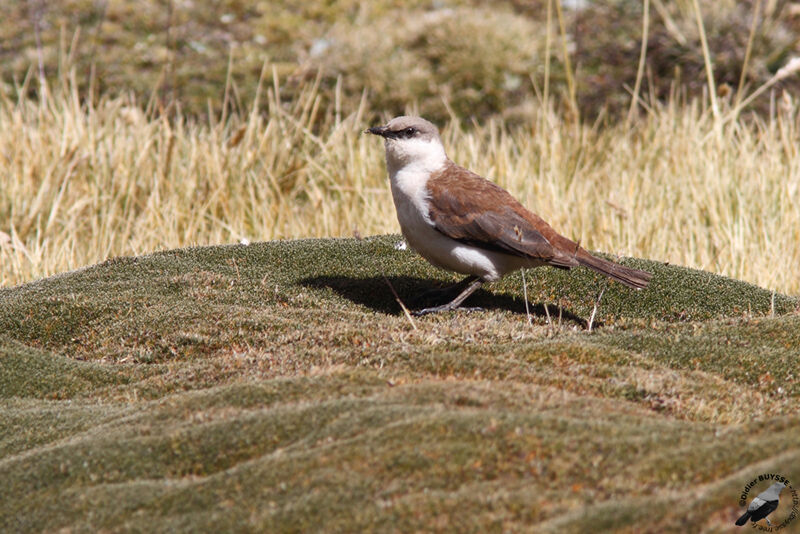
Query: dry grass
[(81, 183)]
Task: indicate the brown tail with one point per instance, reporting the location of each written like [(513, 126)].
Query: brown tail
[(625, 275)]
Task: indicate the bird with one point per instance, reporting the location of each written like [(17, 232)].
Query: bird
[(462, 222), (763, 505)]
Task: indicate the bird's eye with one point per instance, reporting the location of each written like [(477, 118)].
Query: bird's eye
[(410, 131)]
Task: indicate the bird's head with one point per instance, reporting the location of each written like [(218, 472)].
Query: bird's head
[(411, 141)]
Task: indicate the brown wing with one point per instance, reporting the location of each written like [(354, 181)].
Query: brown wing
[(485, 215)]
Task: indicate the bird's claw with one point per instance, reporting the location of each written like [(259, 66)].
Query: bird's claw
[(437, 309)]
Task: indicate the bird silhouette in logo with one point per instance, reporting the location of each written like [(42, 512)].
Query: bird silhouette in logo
[(763, 505)]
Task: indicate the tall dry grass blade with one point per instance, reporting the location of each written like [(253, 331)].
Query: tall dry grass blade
[(36, 13), (547, 50), (669, 23), (709, 66), (747, 52), (791, 68), (594, 309), (642, 56), (525, 296), (568, 73)]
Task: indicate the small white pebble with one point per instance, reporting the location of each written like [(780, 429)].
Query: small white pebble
[(400, 245), (244, 241)]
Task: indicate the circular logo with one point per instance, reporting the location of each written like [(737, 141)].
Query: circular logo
[(771, 503)]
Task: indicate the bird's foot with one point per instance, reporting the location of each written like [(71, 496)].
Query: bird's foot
[(437, 293), (444, 308), (431, 295), (472, 284)]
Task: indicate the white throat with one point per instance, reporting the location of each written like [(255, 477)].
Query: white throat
[(410, 163), (414, 155)]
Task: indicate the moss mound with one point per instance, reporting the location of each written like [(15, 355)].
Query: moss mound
[(278, 386)]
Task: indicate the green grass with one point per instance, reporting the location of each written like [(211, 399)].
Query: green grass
[(279, 387)]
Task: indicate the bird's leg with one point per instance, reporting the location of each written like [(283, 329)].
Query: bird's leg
[(768, 521), (474, 284), (442, 291)]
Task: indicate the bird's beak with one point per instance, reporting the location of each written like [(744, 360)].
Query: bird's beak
[(377, 130)]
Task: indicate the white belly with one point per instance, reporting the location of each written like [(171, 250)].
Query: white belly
[(410, 200)]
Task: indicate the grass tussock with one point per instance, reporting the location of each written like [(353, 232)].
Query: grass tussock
[(80, 183)]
